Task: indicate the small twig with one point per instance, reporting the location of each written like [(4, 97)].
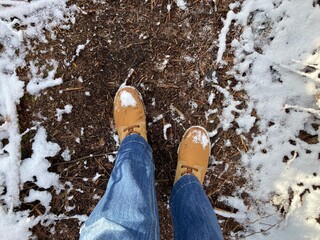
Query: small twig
[(244, 144), (131, 71), (29, 130), (292, 69), (134, 44), (163, 180), (102, 167), (82, 11), (262, 231), (306, 64), (169, 85), (309, 110), (293, 158), (222, 210), (178, 111), (251, 223), (72, 89)]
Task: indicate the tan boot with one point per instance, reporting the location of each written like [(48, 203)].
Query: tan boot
[(193, 153), (129, 114)]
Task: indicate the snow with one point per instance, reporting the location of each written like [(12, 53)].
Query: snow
[(230, 107), (158, 118), (95, 178), (111, 158), (66, 154), (67, 109), (165, 128), (227, 143), (209, 113), (211, 98), (79, 190), (278, 40), (212, 77), (245, 123), (127, 100), (162, 65), (116, 139), (284, 97), (80, 48), (69, 208), (15, 225), (14, 171), (38, 82), (181, 4), (223, 35), (189, 59), (37, 166), (200, 137), (44, 197), (193, 105), (96, 197), (169, 7)]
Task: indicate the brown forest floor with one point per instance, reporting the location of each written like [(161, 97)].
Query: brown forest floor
[(137, 35)]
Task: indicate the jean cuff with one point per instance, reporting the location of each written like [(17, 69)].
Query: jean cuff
[(139, 143), (181, 183)]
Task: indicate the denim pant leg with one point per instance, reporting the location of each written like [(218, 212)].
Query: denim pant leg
[(192, 214), (128, 209)]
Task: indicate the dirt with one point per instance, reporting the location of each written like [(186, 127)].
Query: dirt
[(136, 35)]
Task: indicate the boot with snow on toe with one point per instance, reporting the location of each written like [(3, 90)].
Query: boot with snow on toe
[(193, 153), (129, 114)]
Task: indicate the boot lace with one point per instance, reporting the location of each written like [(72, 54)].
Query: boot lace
[(189, 170), (131, 130)]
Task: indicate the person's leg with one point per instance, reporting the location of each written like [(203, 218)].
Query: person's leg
[(128, 209), (192, 214)]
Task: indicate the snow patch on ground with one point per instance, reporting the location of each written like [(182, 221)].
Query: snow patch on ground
[(67, 109), (35, 169), (38, 82), (15, 225), (277, 62), (21, 22)]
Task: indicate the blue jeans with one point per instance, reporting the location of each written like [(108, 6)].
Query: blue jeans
[(128, 209)]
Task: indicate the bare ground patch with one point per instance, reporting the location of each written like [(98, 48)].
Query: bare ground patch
[(171, 54)]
